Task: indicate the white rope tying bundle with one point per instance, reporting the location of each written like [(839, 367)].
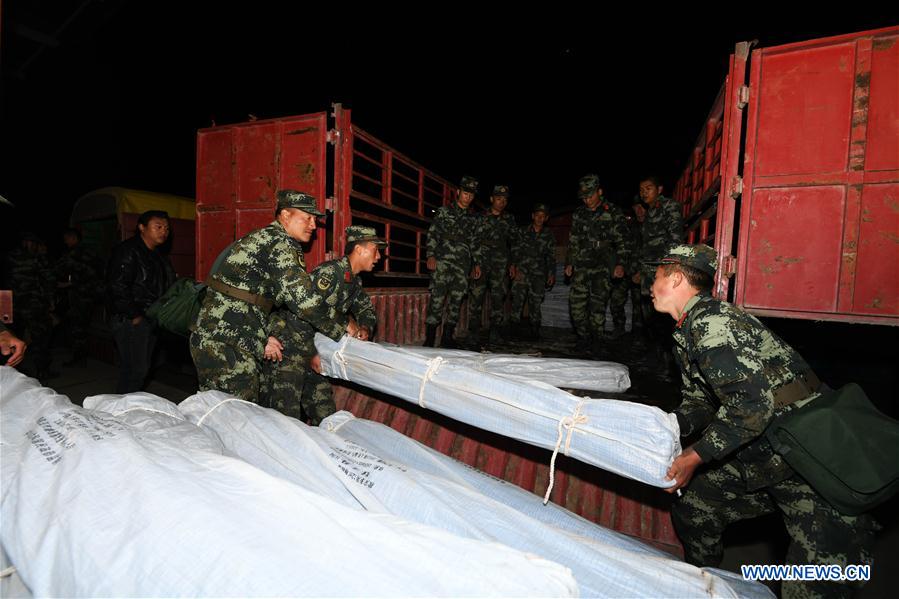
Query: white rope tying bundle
[(7, 572), (570, 423), (433, 367), (341, 359), (220, 404)]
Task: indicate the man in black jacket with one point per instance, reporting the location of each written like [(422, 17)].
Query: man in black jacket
[(137, 275)]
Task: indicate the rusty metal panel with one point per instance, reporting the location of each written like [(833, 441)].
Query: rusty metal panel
[(794, 252), (876, 278), (256, 150), (818, 216), (883, 102), (239, 169), (806, 100)]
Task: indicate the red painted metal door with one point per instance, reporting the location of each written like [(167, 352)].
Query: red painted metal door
[(241, 167), (819, 233)]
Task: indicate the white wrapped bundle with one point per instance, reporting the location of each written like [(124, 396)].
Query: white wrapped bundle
[(93, 506), (590, 375), (633, 440), (448, 495)]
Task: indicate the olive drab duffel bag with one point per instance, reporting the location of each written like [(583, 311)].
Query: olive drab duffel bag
[(177, 309), (845, 448)]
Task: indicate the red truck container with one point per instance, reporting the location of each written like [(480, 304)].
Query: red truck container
[(795, 179), (360, 179)]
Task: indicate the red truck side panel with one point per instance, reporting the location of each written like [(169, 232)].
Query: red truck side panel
[(819, 232), (241, 167)]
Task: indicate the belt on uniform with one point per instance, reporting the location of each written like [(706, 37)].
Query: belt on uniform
[(241, 294), (800, 387)]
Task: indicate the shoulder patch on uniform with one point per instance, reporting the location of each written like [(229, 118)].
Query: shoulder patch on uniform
[(324, 282)]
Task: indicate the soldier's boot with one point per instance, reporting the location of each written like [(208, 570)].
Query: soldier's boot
[(514, 330), (430, 336), (535, 331), (76, 362), (617, 331), (447, 341)]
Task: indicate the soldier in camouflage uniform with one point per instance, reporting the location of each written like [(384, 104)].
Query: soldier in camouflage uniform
[(737, 376), (33, 284), (626, 287), (598, 248), (264, 269), (292, 383), (663, 226), (534, 269), (79, 274), (453, 252), (497, 232)]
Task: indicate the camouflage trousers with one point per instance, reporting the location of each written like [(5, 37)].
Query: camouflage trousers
[(495, 277), (819, 534), (295, 390), (528, 287), (590, 292), (226, 367), (449, 283), (618, 299), (77, 323)]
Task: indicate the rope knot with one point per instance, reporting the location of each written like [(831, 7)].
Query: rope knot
[(433, 367), (569, 423)]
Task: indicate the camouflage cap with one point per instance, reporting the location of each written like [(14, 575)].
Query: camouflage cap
[(501, 191), (699, 256), (540, 208), (357, 233), (289, 198), (587, 185), (469, 184)]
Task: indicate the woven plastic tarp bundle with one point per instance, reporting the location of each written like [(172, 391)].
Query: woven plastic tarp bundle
[(633, 440)]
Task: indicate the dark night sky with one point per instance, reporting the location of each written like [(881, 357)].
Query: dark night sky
[(533, 99)]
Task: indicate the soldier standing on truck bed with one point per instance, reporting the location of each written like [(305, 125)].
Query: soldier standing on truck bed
[(663, 226), (292, 383), (737, 378), (534, 270), (453, 252), (497, 231), (264, 269), (598, 248)]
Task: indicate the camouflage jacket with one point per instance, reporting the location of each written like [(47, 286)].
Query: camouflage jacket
[(663, 227), (453, 235), (342, 294), (32, 281), (81, 267), (535, 253), (267, 262), (598, 238), (496, 233), (635, 231), (731, 365)]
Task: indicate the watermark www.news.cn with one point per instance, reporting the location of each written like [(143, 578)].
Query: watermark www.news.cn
[(807, 572)]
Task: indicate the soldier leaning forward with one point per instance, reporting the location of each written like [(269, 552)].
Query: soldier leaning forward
[(453, 250), (264, 269), (292, 384), (597, 250), (497, 232), (737, 377), (534, 270)]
